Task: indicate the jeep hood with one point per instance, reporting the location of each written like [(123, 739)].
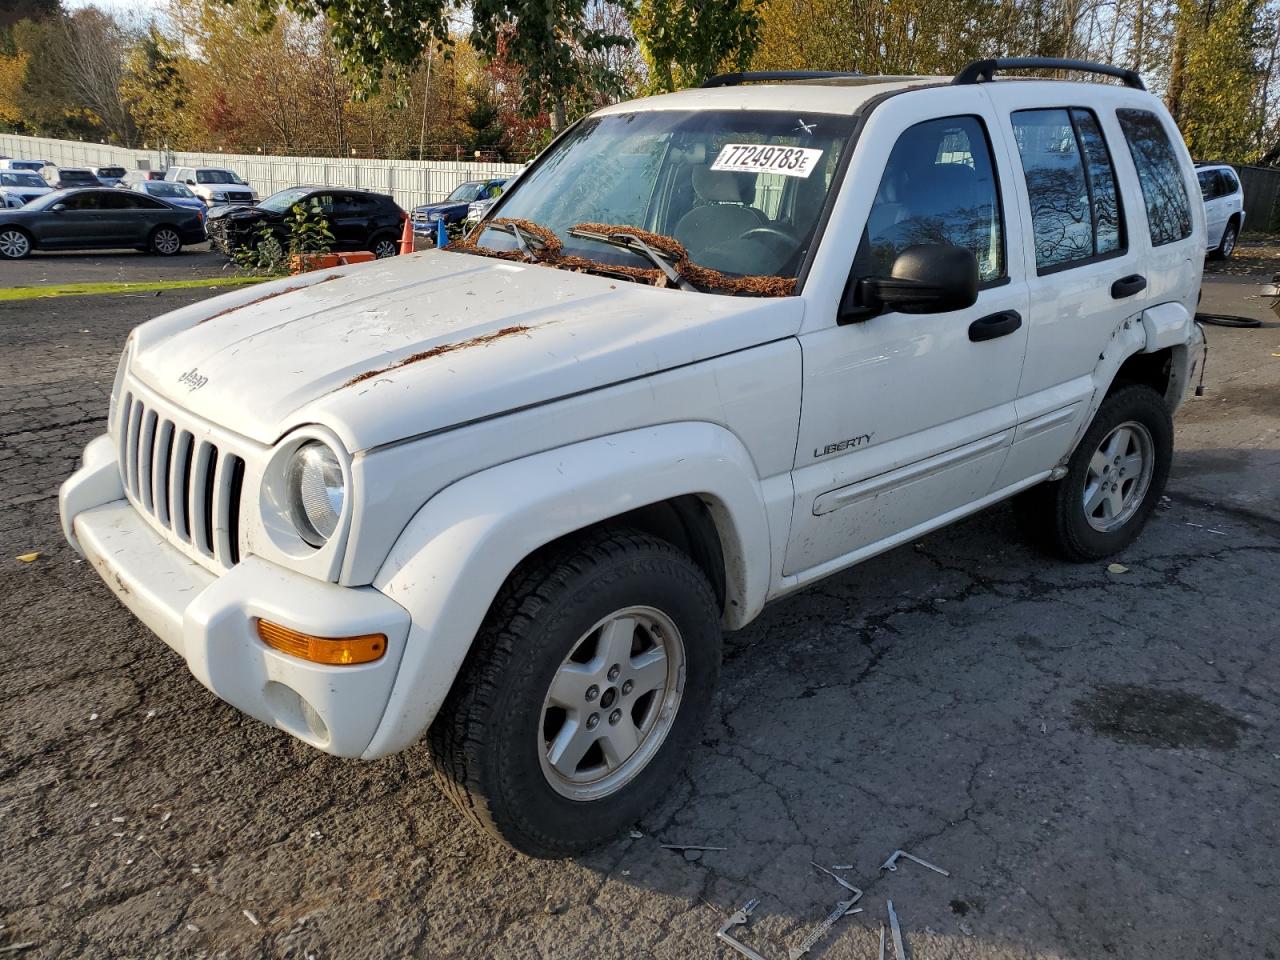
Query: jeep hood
[(410, 345)]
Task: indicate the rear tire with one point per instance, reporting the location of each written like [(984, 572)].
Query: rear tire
[(617, 626), (1227, 246), (165, 242), (1114, 479), (14, 244)]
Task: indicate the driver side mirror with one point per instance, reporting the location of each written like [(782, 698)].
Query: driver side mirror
[(190, 182), (58, 207), (925, 278)]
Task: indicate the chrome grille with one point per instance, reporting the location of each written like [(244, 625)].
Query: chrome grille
[(185, 484)]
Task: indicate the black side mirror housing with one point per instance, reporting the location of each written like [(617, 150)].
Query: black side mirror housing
[(925, 278)]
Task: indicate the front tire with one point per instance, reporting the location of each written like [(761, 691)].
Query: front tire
[(1114, 479), (165, 242), (583, 693), (14, 244)]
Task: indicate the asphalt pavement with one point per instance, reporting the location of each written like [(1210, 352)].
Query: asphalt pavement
[(1091, 752)]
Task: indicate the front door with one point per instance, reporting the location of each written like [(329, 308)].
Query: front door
[(77, 224), (908, 417)]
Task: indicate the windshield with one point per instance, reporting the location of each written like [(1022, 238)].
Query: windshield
[(70, 175), (280, 202), (467, 192), (114, 172), (741, 190), (166, 188), (47, 200), (217, 176), (21, 180), (26, 164)]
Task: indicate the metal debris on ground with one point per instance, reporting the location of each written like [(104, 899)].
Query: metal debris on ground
[(896, 932), (882, 941), (688, 846), (843, 908), (740, 917), (248, 915), (892, 862)]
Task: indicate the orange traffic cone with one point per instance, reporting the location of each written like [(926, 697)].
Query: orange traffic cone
[(406, 237)]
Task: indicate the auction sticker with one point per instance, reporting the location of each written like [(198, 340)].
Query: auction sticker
[(762, 158)]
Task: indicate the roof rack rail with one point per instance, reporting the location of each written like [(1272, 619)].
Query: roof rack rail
[(749, 76), (984, 71)]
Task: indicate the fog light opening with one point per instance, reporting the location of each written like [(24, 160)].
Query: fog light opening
[(315, 723)]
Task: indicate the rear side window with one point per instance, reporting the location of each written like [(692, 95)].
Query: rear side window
[(1227, 183), (938, 187), (1165, 195), (1071, 186)]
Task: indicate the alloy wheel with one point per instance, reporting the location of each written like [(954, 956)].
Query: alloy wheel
[(385, 248), (14, 244), (1229, 242), (611, 703), (166, 242), (1118, 477)]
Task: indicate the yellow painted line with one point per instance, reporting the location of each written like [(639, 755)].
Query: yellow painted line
[(98, 289)]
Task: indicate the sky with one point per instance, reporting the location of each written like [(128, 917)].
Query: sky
[(117, 6)]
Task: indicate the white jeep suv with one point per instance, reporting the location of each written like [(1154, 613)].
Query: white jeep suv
[(710, 348), (1223, 207)]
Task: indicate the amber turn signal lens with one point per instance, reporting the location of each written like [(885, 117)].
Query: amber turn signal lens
[(332, 651)]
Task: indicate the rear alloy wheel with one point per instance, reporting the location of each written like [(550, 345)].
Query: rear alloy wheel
[(14, 244), (166, 242), (1228, 244), (1114, 478), (583, 693), (384, 247)]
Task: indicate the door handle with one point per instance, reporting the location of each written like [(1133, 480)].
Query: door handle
[(996, 325), (1128, 286)]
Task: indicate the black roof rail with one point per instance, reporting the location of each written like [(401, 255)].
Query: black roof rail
[(750, 76), (983, 71)]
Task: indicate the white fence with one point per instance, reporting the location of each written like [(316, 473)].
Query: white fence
[(411, 182)]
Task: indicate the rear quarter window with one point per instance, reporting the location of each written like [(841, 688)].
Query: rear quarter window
[(1159, 174)]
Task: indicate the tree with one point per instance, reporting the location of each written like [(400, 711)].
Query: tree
[(685, 42), (14, 11), (13, 71), (153, 89)]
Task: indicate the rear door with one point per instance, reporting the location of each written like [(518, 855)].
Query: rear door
[(908, 417), (1085, 272), (352, 220), (1215, 214)]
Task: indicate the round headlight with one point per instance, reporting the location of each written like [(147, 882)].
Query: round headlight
[(314, 481)]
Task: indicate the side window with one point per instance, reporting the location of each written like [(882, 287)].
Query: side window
[(1227, 183), (1208, 184), (1071, 186), (938, 187), (1165, 195), (82, 201), (118, 201)]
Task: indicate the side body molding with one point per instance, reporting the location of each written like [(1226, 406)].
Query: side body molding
[(454, 555)]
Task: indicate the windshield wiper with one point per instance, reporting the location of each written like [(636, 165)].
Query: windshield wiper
[(522, 242), (633, 243)]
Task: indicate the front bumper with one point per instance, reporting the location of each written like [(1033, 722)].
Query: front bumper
[(209, 620)]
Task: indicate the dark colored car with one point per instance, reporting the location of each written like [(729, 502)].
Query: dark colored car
[(453, 208), (358, 220), (97, 219), (68, 178)]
